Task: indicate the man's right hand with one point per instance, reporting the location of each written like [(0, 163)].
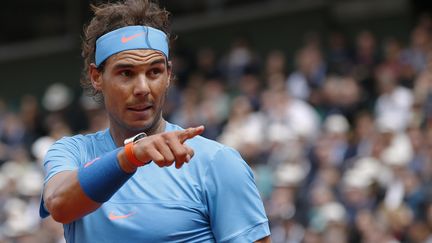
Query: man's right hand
[(166, 148)]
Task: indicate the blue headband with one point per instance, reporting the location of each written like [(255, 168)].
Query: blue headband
[(130, 38)]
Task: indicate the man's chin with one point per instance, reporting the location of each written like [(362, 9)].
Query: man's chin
[(140, 126), (144, 126)]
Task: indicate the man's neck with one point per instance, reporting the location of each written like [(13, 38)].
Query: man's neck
[(119, 134)]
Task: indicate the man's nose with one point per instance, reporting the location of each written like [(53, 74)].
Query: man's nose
[(141, 86)]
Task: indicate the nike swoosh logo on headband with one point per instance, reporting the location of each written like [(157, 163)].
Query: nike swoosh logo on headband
[(125, 39)]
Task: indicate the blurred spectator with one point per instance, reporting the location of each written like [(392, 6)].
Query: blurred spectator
[(207, 63), (250, 86), (392, 51), (363, 134), (335, 133), (340, 94), (97, 120), (365, 59), (394, 101), (244, 129), (339, 57), (11, 135), (240, 60), (419, 163), (415, 56), (275, 63), (394, 147), (298, 117), (186, 115), (213, 107), (309, 75), (31, 117)]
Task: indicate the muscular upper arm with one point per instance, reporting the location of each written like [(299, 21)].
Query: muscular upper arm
[(54, 182), (62, 194)]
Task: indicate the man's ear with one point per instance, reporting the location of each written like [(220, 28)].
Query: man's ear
[(95, 77), (169, 70)]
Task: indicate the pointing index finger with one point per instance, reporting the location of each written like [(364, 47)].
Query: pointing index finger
[(190, 133)]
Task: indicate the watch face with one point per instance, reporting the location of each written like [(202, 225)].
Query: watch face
[(135, 138), (139, 136)]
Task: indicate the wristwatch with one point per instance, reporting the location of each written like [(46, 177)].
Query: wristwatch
[(135, 138), (129, 143)]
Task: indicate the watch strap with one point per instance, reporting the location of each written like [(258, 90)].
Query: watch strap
[(130, 155)]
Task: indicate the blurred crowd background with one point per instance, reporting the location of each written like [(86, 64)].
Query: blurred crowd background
[(338, 134)]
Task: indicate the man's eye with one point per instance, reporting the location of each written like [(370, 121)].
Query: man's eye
[(155, 72), (126, 73)]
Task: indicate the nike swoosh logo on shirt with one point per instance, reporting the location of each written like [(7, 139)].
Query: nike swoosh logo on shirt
[(125, 39), (113, 216), (90, 162)]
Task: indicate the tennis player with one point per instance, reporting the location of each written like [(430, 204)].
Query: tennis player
[(144, 179)]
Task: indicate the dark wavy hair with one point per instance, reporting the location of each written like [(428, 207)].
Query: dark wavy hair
[(111, 16)]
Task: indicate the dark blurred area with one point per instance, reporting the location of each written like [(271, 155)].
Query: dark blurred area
[(30, 20), (329, 101), (46, 34)]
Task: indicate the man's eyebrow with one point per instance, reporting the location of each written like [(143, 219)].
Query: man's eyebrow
[(128, 65), (161, 60), (123, 66)]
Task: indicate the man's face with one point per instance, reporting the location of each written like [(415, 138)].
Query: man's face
[(134, 85)]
